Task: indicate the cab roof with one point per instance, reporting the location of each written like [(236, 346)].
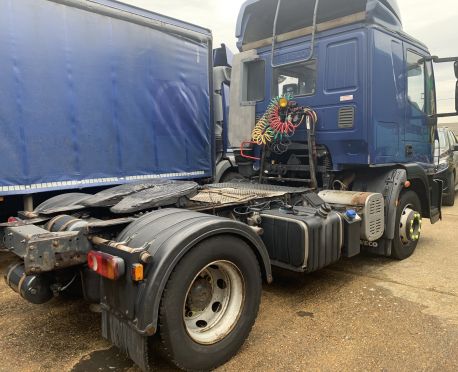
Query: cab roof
[(256, 17)]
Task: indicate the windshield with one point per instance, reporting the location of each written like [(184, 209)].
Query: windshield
[(442, 145)]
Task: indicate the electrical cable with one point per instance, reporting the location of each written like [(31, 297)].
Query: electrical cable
[(68, 284), (280, 123)]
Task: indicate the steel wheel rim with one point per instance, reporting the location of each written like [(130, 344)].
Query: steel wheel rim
[(214, 302), (410, 225)]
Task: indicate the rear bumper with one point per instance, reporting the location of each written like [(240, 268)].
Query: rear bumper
[(43, 251)]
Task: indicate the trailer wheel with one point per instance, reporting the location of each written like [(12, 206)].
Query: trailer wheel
[(210, 304), (408, 229)]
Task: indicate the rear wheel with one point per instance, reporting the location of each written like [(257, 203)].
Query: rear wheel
[(449, 199), (210, 304), (408, 229)]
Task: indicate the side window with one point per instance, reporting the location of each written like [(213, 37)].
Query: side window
[(431, 107), (297, 79), (416, 81), (254, 81)]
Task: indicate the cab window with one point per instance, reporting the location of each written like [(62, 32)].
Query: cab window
[(416, 81), (253, 86), (430, 89), (296, 80)]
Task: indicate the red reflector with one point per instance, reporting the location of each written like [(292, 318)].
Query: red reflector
[(106, 265), (12, 220)]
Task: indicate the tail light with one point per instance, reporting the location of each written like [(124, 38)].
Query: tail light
[(106, 265), (137, 272)]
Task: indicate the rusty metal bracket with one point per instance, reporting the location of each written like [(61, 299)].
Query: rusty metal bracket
[(43, 251), (144, 255)]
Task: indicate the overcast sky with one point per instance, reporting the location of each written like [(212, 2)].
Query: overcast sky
[(434, 22)]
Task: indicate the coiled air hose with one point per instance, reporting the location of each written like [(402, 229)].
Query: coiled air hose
[(279, 123)]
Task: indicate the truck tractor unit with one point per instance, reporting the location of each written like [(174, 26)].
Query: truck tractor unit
[(332, 123)]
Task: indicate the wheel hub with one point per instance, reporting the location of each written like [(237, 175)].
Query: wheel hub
[(200, 295), (214, 302), (410, 226)]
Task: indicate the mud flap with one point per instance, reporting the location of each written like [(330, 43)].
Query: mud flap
[(126, 339)]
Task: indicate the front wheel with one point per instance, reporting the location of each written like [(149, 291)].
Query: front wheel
[(210, 304), (408, 229)]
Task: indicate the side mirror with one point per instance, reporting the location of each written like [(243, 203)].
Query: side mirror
[(455, 66)]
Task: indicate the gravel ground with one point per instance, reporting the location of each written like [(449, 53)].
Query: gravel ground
[(368, 313)]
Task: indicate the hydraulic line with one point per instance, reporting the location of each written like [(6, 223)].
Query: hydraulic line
[(279, 123)]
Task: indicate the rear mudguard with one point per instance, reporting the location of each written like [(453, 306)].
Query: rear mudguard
[(167, 235)]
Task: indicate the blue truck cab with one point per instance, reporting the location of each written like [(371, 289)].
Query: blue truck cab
[(371, 84)]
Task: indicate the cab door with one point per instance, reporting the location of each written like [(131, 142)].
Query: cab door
[(420, 124)]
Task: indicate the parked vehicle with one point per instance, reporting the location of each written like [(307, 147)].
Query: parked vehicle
[(338, 121), (447, 164)]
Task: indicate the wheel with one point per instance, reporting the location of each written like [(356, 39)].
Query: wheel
[(232, 177), (210, 304), (408, 228), (449, 199)]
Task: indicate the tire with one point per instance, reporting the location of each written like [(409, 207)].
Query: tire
[(185, 347), (449, 199), (402, 250), (232, 177)]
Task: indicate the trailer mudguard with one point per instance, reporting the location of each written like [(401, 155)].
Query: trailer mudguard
[(168, 235)]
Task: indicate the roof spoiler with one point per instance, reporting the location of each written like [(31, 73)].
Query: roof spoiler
[(298, 18)]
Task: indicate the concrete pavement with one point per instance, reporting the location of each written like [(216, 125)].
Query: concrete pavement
[(367, 313)]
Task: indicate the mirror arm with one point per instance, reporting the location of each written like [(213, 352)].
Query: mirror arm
[(444, 115), (436, 59)]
